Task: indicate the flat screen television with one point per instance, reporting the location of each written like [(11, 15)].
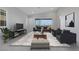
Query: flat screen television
[(19, 26)]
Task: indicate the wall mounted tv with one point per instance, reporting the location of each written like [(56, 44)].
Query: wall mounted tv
[(43, 22), (19, 26)]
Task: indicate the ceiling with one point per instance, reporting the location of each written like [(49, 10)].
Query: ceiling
[(37, 10)]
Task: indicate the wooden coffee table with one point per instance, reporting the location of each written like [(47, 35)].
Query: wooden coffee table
[(40, 36)]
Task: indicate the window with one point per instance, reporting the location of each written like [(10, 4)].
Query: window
[(43, 22)]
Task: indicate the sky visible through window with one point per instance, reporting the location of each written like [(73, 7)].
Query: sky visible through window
[(44, 22)]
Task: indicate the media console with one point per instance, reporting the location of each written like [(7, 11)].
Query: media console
[(19, 32)]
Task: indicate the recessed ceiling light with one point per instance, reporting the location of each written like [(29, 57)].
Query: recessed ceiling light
[(32, 12)]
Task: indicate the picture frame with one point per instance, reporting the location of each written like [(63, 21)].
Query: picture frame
[(2, 17), (70, 20)]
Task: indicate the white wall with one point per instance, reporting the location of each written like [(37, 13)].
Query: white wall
[(64, 11), (51, 14), (13, 16)]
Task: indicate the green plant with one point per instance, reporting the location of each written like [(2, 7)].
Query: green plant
[(5, 32), (6, 36)]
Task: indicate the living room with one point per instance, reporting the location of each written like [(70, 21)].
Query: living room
[(27, 16)]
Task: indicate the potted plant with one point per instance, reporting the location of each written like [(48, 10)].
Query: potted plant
[(5, 32)]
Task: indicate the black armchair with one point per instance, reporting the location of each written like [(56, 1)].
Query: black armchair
[(35, 29), (56, 32)]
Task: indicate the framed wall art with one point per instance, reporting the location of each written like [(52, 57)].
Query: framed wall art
[(2, 17), (70, 20)]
